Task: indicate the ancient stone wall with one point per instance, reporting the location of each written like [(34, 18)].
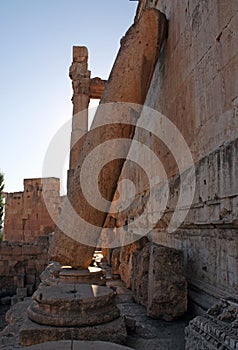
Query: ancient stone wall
[(26, 214), (21, 265), (195, 85)]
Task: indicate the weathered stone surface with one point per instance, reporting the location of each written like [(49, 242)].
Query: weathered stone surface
[(216, 329), (33, 333), (97, 87), (140, 273), (26, 214), (129, 82), (55, 274), (80, 76), (167, 287), (158, 281), (195, 87), (73, 305)]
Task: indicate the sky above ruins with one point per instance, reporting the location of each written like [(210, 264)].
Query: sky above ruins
[(36, 51)]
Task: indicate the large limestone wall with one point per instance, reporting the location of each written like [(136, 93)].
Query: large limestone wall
[(26, 214), (195, 85)]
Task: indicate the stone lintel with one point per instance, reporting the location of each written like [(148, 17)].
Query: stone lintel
[(97, 87)]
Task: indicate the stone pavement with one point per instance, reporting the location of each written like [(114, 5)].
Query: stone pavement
[(143, 332)]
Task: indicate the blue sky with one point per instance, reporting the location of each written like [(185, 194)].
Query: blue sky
[(36, 49)]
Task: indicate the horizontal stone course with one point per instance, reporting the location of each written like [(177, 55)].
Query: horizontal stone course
[(22, 263)]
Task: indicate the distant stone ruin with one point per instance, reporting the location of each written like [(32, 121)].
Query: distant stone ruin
[(26, 214)]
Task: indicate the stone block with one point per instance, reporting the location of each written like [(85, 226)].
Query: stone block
[(21, 292), (167, 286), (28, 249), (215, 329)]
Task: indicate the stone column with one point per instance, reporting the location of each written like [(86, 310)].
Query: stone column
[(129, 82), (80, 76)]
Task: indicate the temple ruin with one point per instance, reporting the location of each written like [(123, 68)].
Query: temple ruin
[(168, 244)]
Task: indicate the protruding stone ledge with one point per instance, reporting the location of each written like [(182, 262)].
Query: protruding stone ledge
[(32, 333)]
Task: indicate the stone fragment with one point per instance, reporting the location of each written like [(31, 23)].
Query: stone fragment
[(158, 281), (215, 329), (27, 217)]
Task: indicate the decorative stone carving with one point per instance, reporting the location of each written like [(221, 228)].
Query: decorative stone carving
[(217, 329)]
